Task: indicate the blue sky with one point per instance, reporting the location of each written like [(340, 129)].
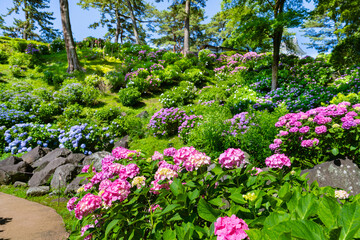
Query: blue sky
[(81, 19)]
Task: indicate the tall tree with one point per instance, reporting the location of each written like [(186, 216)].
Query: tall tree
[(332, 21), (188, 5), (116, 15), (34, 18), (256, 19), (73, 61), (170, 28)]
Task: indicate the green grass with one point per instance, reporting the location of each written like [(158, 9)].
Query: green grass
[(50, 201)]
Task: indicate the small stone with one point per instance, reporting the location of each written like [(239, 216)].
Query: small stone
[(20, 184), (38, 191)]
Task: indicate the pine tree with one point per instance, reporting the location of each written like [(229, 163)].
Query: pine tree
[(34, 18)]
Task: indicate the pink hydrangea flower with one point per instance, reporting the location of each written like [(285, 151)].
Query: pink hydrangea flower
[(157, 156), (274, 146), (106, 162), (320, 129), (71, 204), (153, 207), (165, 173), (87, 186), (83, 230), (304, 129), (131, 170), (169, 152), (157, 187), (232, 158), (117, 191), (230, 228), (104, 184), (256, 170), (123, 153), (294, 129), (183, 154), (88, 204), (283, 133), (277, 141), (195, 161), (85, 169), (278, 161)]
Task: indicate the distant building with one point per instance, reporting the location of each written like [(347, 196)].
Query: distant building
[(291, 47)]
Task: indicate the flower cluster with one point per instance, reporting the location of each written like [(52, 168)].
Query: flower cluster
[(232, 158), (238, 124), (341, 194), (278, 161), (190, 158), (123, 153), (230, 228), (88, 204), (167, 121)]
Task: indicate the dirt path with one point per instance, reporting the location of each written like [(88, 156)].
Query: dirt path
[(21, 219)]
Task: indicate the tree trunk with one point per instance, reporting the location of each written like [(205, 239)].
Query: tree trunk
[(137, 40), (276, 59), (278, 9), (187, 28), (118, 26), (72, 57), (25, 36)]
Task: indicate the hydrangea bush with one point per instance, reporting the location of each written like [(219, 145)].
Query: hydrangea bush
[(320, 134), (183, 194)]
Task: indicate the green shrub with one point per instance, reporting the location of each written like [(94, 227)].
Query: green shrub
[(52, 79), (20, 59), (170, 74), (76, 93), (347, 52), (16, 71), (127, 125), (178, 96), (107, 114), (194, 75), (184, 63), (73, 111), (3, 56), (116, 80), (47, 111), (57, 45), (353, 98), (170, 57), (211, 93), (129, 96), (93, 80), (44, 94), (137, 79), (18, 45), (241, 99)]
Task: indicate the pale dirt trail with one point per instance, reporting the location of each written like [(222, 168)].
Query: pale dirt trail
[(21, 219)]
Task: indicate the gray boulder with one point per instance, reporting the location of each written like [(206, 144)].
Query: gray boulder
[(42, 175), (124, 142), (56, 153), (62, 175), (16, 170), (38, 191), (20, 184), (35, 154), (143, 114), (4, 178), (96, 158), (75, 158), (342, 174), (75, 185)]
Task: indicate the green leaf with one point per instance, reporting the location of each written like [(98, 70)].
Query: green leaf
[(206, 212), (276, 218), (349, 219), (302, 229), (307, 206), (176, 217), (284, 192), (335, 151), (217, 202), (169, 208), (194, 194), (328, 211), (169, 235), (352, 148), (255, 234), (334, 234), (110, 226), (217, 170), (238, 198), (176, 187)]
